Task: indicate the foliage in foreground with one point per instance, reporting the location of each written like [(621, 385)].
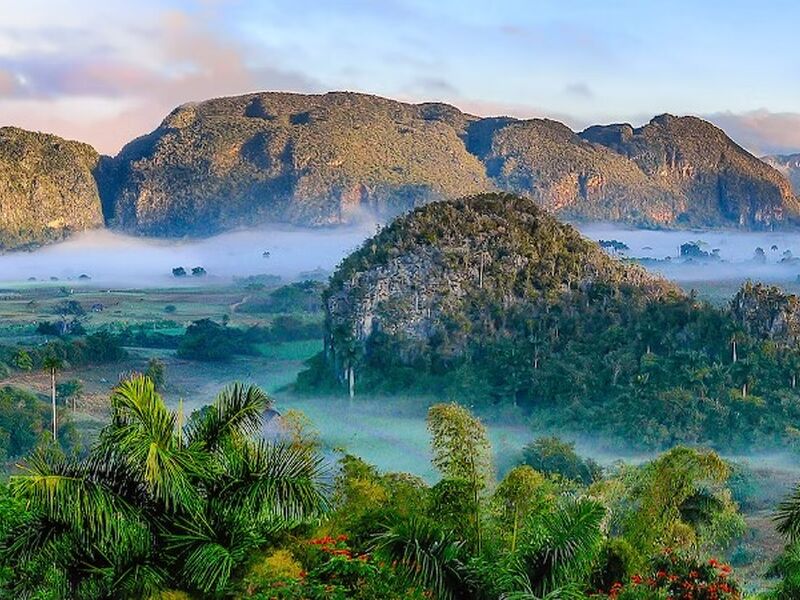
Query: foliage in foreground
[(207, 510), (157, 505)]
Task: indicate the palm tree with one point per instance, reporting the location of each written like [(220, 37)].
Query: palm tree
[(556, 552), (52, 364), (787, 564), (155, 506)]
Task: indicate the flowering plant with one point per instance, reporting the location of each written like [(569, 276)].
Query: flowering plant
[(675, 576)]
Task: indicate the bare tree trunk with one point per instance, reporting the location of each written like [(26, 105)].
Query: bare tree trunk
[(53, 398), (734, 351), (351, 381)]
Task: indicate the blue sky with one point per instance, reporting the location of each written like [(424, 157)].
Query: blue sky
[(107, 71)]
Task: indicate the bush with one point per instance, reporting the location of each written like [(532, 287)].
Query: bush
[(552, 456), (207, 340), (156, 371)]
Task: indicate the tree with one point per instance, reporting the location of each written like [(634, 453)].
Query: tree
[(52, 364), (22, 360), (461, 451), (550, 455), (522, 491), (156, 372), (154, 507)]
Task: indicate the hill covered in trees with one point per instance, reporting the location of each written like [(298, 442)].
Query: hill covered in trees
[(489, 299), (47, 188)]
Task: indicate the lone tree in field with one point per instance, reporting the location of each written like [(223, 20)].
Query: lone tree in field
[(53, 364)]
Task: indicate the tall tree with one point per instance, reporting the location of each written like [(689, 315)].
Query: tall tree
[(461, 451), (53, 364)]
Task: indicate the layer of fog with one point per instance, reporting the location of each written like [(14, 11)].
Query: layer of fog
[(736, 250), (110, 258)]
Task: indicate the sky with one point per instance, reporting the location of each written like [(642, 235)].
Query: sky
[(107, 71)]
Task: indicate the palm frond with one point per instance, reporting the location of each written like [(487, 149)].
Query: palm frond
[(788, 516), (143, 435), (560, 546), (275, 482), (69, 494), (429, 555), (236, 413), (207, 556)]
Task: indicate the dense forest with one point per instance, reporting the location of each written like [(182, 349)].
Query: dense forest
[(164, 506), (491, 301)]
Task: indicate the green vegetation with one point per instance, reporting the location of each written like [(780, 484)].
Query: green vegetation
[(207, 340), (26, 423), (494, 302), (161, 509)]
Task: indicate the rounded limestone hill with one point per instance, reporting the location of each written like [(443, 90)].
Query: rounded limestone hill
[(302, 159), (47, 188), (454, 274)]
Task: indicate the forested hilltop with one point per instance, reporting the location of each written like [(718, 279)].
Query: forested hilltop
[(313, 160), (489, 299)]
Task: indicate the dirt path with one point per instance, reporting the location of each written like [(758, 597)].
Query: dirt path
[(235, 306)]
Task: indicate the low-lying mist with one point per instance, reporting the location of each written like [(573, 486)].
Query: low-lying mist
[(111, 258), (736, 251), (117, 259)]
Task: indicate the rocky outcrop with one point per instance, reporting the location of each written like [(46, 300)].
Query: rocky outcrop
[(47, 188), (307, 160), (434, 278), (328, 159), (768, 313), (317, 160), (789, 166), (715, 181)]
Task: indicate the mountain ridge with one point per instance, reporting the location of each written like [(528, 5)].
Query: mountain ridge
[(325, 159)]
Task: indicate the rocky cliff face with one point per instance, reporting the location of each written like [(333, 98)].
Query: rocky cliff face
[(47, 188), (328, 159), (768, 313), (789, 166), (308, 160), (436, 277), (716, 181), (573, 178), (320, 160)]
